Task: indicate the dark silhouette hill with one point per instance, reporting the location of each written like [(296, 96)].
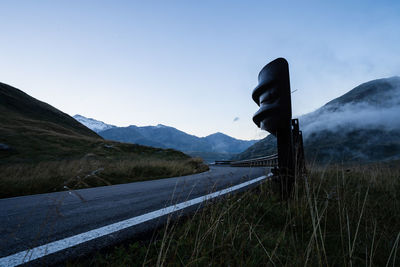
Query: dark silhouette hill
[(33, 130), (15, 104)]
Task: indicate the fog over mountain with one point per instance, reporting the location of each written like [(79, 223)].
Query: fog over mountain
[(361, 125), (375, 104)]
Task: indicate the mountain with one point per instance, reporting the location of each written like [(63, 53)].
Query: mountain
[(214, 146), (157, 136), (93, 124), (169, 137), (30, 129), (362, 125), (223, 143)]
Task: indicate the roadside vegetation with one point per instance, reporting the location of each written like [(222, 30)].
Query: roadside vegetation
[(44, 150), (338, 216), (98, 163)]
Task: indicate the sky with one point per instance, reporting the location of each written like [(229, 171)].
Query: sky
[(192, 65)]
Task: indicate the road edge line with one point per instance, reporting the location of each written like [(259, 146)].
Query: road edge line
[(68, 242)]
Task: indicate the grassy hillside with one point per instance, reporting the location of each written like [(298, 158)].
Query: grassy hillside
[(43, 150), (338, 217), (35, 131), (99, 163)]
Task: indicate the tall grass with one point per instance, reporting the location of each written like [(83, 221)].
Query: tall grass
[(337, 217), (90, 171)]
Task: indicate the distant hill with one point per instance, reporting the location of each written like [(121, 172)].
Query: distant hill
[(30, 129), (214, 146), (223, 143), (157, 136), (362, 125)]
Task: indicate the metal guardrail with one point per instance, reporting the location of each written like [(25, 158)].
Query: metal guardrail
[(268, 161), (223, 162)]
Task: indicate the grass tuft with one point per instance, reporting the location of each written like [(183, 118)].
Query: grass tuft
[(114, 164), (337, 217)]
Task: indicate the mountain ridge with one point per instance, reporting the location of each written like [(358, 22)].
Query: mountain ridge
[(169, 137), (361, 125)]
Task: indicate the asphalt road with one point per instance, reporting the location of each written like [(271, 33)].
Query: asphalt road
[(30, 221)]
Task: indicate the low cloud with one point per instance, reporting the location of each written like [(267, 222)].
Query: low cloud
[(383, 114), (354, 117)]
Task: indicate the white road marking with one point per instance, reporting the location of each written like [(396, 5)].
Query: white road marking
[(53, 247)]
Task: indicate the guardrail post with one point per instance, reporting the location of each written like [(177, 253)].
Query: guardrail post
[(285, 160), (300, 166)]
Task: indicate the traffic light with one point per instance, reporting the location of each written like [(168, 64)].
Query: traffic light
[(272, 95)]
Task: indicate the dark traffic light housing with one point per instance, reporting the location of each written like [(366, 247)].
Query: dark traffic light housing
[(273, 96)]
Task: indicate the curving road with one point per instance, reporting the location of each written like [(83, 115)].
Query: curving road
[(32, 221)]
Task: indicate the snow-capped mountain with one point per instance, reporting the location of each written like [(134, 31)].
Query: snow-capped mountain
[(93, 124), (215, 146)]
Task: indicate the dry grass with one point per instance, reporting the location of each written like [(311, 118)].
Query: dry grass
[(90, 171), (337, 217)]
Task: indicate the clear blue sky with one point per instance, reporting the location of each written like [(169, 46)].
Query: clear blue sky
[(192, 64)]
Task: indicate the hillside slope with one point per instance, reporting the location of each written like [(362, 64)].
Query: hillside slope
[(44, 150), (33, 130), (361, 125), (19, 105)]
